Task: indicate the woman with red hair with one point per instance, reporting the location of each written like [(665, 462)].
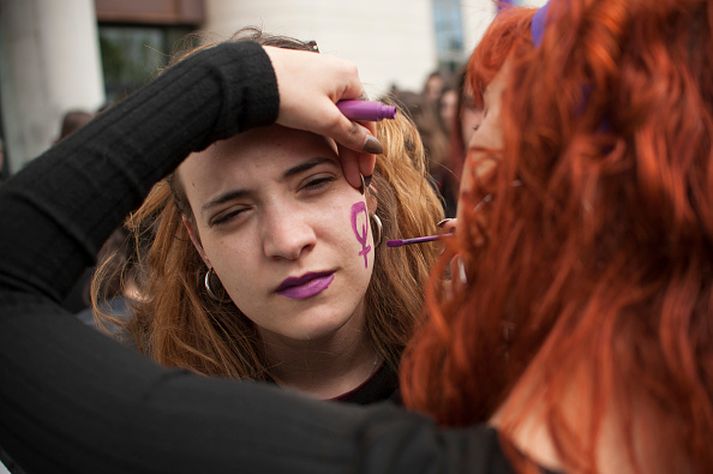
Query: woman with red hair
[(583, 329)]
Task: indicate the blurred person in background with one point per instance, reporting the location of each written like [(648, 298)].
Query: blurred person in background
[(73, 120), (447, 106), (433, 86)]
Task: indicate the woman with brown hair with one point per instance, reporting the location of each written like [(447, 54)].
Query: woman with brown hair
[(326, 310), (198, 310)]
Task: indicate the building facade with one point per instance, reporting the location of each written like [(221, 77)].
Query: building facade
[(60, 55)]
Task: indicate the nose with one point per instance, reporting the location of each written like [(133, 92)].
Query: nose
[(287, 234)]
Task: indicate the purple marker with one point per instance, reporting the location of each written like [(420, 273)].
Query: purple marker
[(415, 240), (366, 110)]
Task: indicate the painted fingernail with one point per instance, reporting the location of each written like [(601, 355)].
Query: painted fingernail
[(372, 145), (443, 222), (367, 180)]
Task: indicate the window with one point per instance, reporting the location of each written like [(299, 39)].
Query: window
[(449, 34), (132, 54)]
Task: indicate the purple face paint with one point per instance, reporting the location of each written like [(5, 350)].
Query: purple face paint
[(361, 229)]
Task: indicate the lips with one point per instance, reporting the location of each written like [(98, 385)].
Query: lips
[(305, 286)]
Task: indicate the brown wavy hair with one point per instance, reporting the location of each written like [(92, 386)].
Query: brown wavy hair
[(595, 276), (178, 324)]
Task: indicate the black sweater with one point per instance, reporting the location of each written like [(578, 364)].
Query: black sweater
[(72, 400)]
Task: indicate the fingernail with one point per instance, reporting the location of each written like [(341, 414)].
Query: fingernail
[(372, 145), (367, 180), (443, 222)]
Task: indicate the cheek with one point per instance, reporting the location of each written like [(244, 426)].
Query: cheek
[(232, 259), (471, 119), (478, 162), (466, 183), (495, 130)]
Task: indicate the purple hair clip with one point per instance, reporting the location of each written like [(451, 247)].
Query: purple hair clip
[(537, 31), (537, 28)]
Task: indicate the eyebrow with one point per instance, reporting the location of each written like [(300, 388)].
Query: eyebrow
[(241, 193), (302, 167), (225, 197)]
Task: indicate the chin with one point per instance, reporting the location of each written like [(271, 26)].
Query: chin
[(315, 327)]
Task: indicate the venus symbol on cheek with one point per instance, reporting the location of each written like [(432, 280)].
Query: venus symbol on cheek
[(360, 226)]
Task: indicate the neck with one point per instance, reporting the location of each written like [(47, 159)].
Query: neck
[(523, 418), (326, 367)]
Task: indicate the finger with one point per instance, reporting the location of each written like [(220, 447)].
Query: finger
[(353, 135), (352, 88), (447, 225), (367, 161), (349, 160)]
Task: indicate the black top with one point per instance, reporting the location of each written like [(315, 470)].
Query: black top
[(73, 400), (382, 385)]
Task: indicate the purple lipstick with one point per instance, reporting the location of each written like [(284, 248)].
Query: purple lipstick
[(366, 110), (305, 286)]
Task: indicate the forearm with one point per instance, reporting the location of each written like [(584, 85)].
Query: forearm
[(102, 408), (60, 209)]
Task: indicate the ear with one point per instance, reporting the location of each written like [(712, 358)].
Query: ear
[(195, 238)]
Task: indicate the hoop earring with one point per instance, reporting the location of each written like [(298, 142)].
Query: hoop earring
[(206, 284), (377, 229)]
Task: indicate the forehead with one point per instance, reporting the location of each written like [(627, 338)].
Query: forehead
[(494, 90), (260, 151)]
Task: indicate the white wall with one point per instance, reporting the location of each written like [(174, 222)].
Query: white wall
[(477, 15), (50, 64), (389, 40)]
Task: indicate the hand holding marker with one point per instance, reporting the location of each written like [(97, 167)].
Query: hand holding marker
[(375, 111)]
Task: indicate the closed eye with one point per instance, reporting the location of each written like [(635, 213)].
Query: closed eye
[(317, 183), (228, 216)]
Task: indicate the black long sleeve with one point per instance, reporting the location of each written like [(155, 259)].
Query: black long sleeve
[(72, 400)]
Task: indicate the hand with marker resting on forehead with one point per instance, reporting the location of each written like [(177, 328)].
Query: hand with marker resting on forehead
[(310, 85)]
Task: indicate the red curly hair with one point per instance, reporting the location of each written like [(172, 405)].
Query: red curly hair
[(595, 277)]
